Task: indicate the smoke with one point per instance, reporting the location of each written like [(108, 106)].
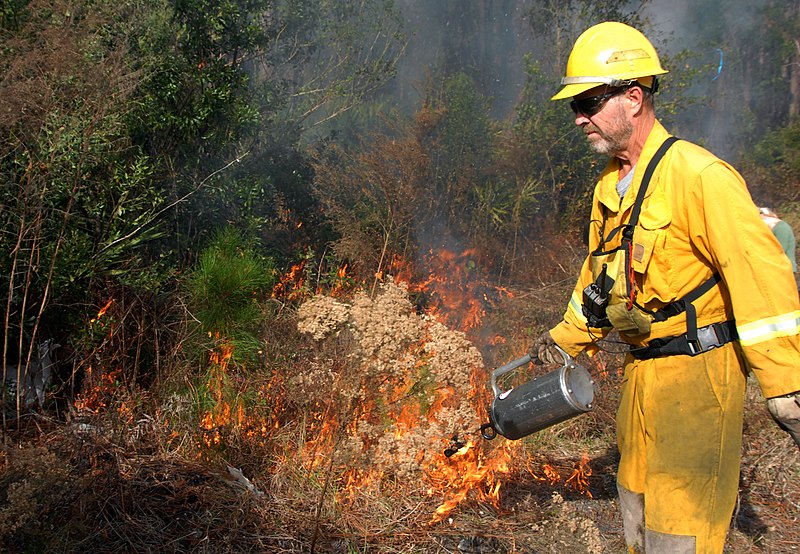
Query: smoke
[(486, 40), (708, 32)]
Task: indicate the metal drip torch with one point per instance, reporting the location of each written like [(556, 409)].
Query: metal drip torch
[(541, 402)]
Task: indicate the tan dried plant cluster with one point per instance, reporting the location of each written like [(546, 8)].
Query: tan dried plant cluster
[(411, 389), (34, 483)]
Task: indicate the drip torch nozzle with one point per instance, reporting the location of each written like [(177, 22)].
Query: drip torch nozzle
[(454, 447)]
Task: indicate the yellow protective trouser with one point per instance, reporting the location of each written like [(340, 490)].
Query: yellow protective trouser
[(679, 430)]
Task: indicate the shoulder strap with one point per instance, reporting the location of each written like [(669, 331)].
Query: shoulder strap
[(684, 304), (648, 174), (627, 228)]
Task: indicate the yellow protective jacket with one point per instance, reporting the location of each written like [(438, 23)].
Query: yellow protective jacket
[(698, 218)]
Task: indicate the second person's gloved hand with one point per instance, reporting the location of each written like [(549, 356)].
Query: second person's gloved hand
[(545, 351), (785, 411)]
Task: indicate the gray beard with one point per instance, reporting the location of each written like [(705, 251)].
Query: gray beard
[(615, 141), (613, 144)]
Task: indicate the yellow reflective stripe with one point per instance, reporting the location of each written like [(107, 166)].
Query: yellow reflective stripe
[(769, 328), (575, 304)]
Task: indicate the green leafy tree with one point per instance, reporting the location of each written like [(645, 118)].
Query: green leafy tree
[(757, 77), (772, 168), (243, 80), (460, 148), (77, 196), (131, 129)]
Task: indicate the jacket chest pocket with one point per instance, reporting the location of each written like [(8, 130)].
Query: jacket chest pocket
[(650, 234)]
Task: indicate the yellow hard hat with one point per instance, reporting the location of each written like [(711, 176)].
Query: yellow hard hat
[(611, 54)]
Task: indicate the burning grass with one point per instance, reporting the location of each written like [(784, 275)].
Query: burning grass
[(85, 487), (341, 447)]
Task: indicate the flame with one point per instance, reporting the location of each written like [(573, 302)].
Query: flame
[(579, 480), (470, 470), (454, 290), (341, 283), (550, 474), (213, 421), (100, 383), (99, 387), (105, 308), (291, 285)]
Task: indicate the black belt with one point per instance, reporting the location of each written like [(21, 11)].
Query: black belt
[(708, 337)]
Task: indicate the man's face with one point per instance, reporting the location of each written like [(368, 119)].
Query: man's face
[(608, 128)]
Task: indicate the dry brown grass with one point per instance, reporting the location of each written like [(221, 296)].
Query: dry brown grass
[(141, 480), (83, 488)]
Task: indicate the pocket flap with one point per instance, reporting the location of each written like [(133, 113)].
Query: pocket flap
[(644, 242), (656, 215)]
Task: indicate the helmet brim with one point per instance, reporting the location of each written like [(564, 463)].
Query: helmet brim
[(573, 90)]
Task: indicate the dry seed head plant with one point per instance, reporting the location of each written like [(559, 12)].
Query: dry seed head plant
[(35, 481), (413, 377)]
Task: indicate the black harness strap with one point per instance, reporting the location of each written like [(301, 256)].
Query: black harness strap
[(648, 174), (628, 228), (711, 336), (688, 343), (679, 306)]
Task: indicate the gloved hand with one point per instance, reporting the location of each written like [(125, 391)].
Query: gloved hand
[(785, 411), (544, 351)]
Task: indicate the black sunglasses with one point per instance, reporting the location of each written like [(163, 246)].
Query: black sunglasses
[(591, 105)]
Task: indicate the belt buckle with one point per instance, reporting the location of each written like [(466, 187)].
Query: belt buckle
[(707, 338)]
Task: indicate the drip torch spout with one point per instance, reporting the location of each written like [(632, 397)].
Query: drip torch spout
[(454, 447)]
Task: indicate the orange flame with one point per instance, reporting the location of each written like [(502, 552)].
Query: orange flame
[(579, 480), (99, 387), (341, 283), (291, 285), (550, 474), (100, 383), (454, 290), (469, 470), (105, 308), (214, 421)]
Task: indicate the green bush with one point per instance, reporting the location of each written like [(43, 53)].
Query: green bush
[(225, 292)]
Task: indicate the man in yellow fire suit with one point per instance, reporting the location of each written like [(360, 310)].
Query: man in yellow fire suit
[(682, 266)]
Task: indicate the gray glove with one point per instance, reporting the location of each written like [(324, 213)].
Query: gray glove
[(544, 351), (785, 411)]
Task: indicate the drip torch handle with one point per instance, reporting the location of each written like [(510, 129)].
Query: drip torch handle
[(514, 364), (503, 369), (567, 358)]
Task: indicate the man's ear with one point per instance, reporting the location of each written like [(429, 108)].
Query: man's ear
[(635, 95)]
